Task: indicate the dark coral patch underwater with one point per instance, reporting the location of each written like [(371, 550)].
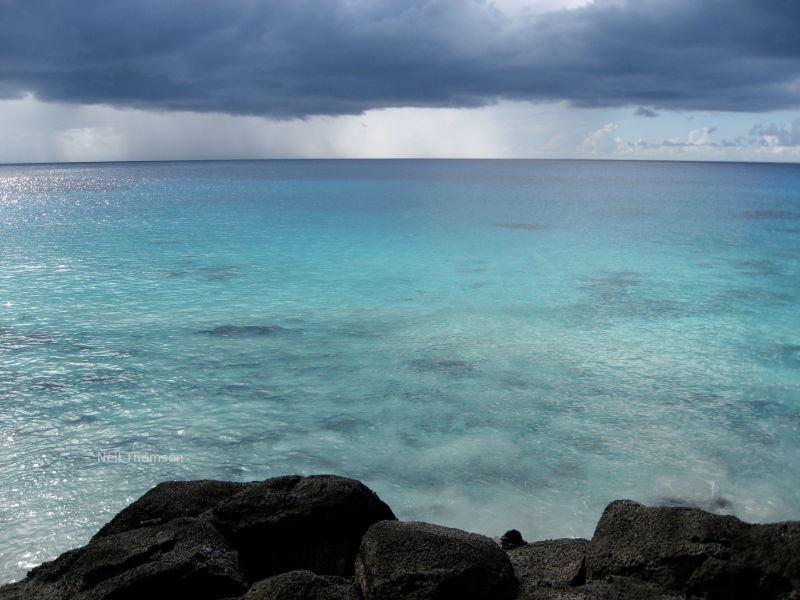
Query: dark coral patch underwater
[(246, 330), (770, 214), (446, 366), (528, 226)]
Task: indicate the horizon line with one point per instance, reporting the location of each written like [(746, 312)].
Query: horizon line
[(344, 159)]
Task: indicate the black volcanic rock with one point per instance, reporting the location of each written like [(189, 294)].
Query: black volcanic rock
[(511, 539), (616, 588), (170, 500), (696, 553), (549, 564), (185, 558), (302, 585), (305, 537), (289, 523), (417, 560)]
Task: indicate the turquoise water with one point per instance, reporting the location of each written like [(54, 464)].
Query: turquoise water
[(487, 344)]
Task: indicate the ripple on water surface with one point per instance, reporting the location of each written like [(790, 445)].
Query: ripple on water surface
[(488, 345)]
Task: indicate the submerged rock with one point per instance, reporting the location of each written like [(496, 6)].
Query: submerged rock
[(11, 339), (219, 273), (770, 214), (419, 560), (626, 211), (448, 366), (245, 330), (528, 226)]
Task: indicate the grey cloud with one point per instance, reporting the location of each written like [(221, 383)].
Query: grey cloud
[(671, 144), (643, 111), (737, 142), (306, 57), (781, 134), (759, 136)]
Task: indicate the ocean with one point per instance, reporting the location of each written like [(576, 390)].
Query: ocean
[(486, 344)]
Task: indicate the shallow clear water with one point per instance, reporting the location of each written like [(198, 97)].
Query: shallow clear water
[(487, 344)]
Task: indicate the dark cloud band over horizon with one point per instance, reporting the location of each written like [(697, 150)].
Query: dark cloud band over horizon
[(297, 58)]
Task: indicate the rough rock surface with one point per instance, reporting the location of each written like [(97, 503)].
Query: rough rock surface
[(289, 523), (170, 500), (512, 539), (304, 538), (418, 560), (549, 564), (302, 585), (185, 558), (696, 553), (616, 588)]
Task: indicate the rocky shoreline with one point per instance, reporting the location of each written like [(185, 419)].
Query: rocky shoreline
[(325, 537)]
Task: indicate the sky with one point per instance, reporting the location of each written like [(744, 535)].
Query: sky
[(108, 80)]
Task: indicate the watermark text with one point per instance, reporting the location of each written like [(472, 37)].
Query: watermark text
[(138, 457)]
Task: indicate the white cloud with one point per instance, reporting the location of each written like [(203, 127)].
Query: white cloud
[(701, 137), (778, 135), (85, 144), (603, 140)]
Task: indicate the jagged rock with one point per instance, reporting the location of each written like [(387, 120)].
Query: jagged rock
[(616, 588), (549, 564), (293, 535), (715, 504), (695, 553), (302, 585), (289, 523), (418, 560), (185, 558), (512, 539), (170, 500)]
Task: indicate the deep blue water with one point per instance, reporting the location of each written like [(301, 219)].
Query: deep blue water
[(487, 344)]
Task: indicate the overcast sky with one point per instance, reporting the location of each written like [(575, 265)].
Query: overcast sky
[(182, 79)]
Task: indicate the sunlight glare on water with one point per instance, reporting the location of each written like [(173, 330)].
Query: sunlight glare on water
[(486, 344)]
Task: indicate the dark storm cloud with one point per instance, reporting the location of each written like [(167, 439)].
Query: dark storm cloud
[(302, 57)]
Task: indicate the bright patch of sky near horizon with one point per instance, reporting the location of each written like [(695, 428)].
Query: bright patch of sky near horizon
[(37, 131)]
